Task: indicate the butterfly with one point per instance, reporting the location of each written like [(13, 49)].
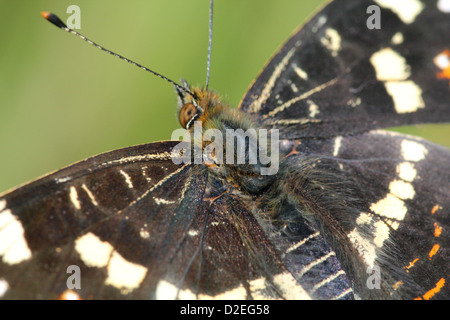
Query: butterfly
[(352, 212)]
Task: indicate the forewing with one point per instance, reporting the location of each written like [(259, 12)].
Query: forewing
[(335, 76), (132, 224), (79, 215)]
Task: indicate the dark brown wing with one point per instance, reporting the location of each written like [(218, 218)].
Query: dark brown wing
[(335, 76), (132, 224)]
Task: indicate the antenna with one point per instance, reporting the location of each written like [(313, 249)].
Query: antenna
[(208, 65), (57, 22)]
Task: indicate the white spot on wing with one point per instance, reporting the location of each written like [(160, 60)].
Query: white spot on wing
[(167, 291), (444, 5), (413, 151), (93, 251), (300, 72), (397, 38), (365, 248), (313, 109), (390, 207), (123, 274), (401, 189), (332, 41), (74, 198), (13, 245), (163, 201), (294, 87), (406, 171), (4, 286), (144, 173), (144, 234), (337, 146), (354, 102), (407, 96), (127, 179), (381, 233), (364, 218), (192, 233), (442, 61), (391, 68), (90, 195), (2, 204), (390, 65), (62, 180), (406, 10)]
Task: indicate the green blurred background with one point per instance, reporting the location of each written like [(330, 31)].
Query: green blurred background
[(62, 100)]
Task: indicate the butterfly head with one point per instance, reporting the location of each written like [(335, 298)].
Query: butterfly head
[(197, 104)]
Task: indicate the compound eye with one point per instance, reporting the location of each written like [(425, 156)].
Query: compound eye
[(187, 112)]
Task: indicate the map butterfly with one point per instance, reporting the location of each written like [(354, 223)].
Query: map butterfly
[(354, 212)]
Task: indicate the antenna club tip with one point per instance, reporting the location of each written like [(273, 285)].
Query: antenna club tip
[(53, 18), (45, 14)]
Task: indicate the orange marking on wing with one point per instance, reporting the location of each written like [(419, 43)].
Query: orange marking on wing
[(439, 285), (433, 250), (397, 285), (211, 200), (435, 208), (444, 74), (442, 61), (411, 264), (437, 230), (293, 151)]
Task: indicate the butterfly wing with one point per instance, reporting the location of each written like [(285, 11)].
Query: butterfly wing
[(332, 81), (135, 225), (132, 224), (42, 222), (335, 76), (399, 220), (406, 182)]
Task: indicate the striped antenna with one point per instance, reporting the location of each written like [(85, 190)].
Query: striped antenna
[(53, 18), (208, 63)]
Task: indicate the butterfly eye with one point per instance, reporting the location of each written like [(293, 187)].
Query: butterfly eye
[(187, 112)]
